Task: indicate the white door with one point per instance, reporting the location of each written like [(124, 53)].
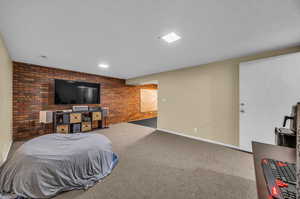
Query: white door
[(268, 89)]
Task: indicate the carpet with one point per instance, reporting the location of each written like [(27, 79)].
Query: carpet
[(155, 164), (152, 122)]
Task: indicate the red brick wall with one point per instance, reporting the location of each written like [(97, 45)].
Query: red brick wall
[(33, 91)]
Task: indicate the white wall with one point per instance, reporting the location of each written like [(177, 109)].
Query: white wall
[(6, 72)]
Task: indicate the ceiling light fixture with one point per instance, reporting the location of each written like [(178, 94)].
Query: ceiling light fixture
[(103, 65), (171, 37)]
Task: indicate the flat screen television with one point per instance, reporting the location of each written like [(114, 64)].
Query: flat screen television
[(74, 92)]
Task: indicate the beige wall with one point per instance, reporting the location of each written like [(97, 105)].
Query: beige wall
[(5, 102), (205, 97)]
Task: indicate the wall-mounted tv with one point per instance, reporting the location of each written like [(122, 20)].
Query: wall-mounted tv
[(74, 92)]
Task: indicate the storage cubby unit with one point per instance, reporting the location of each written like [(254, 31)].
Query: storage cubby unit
[(77, 122)]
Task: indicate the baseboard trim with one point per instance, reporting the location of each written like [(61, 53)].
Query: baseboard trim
[(203, 139)]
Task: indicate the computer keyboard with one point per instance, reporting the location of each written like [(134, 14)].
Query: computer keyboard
[(280, 178)]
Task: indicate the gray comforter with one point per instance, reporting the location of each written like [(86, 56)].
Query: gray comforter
[(47, 165)]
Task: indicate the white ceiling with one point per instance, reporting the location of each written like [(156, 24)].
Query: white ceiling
[(77, 35)]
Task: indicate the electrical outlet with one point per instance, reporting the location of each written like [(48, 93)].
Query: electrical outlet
[(164, 100), (195, 130)]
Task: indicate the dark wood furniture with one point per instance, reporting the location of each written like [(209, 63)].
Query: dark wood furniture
[(260, 151), (79, 121)]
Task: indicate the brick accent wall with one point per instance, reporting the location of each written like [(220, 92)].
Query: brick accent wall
[(33, 91)]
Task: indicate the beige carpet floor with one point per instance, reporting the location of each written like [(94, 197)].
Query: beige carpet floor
[(158, 165)]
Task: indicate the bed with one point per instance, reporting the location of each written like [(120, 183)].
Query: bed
[(50, 164)]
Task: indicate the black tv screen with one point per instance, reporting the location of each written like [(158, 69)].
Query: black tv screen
[(73, 92)]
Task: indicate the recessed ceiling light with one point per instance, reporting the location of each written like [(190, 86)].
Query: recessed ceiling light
[(171, 37), (103, 65)]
